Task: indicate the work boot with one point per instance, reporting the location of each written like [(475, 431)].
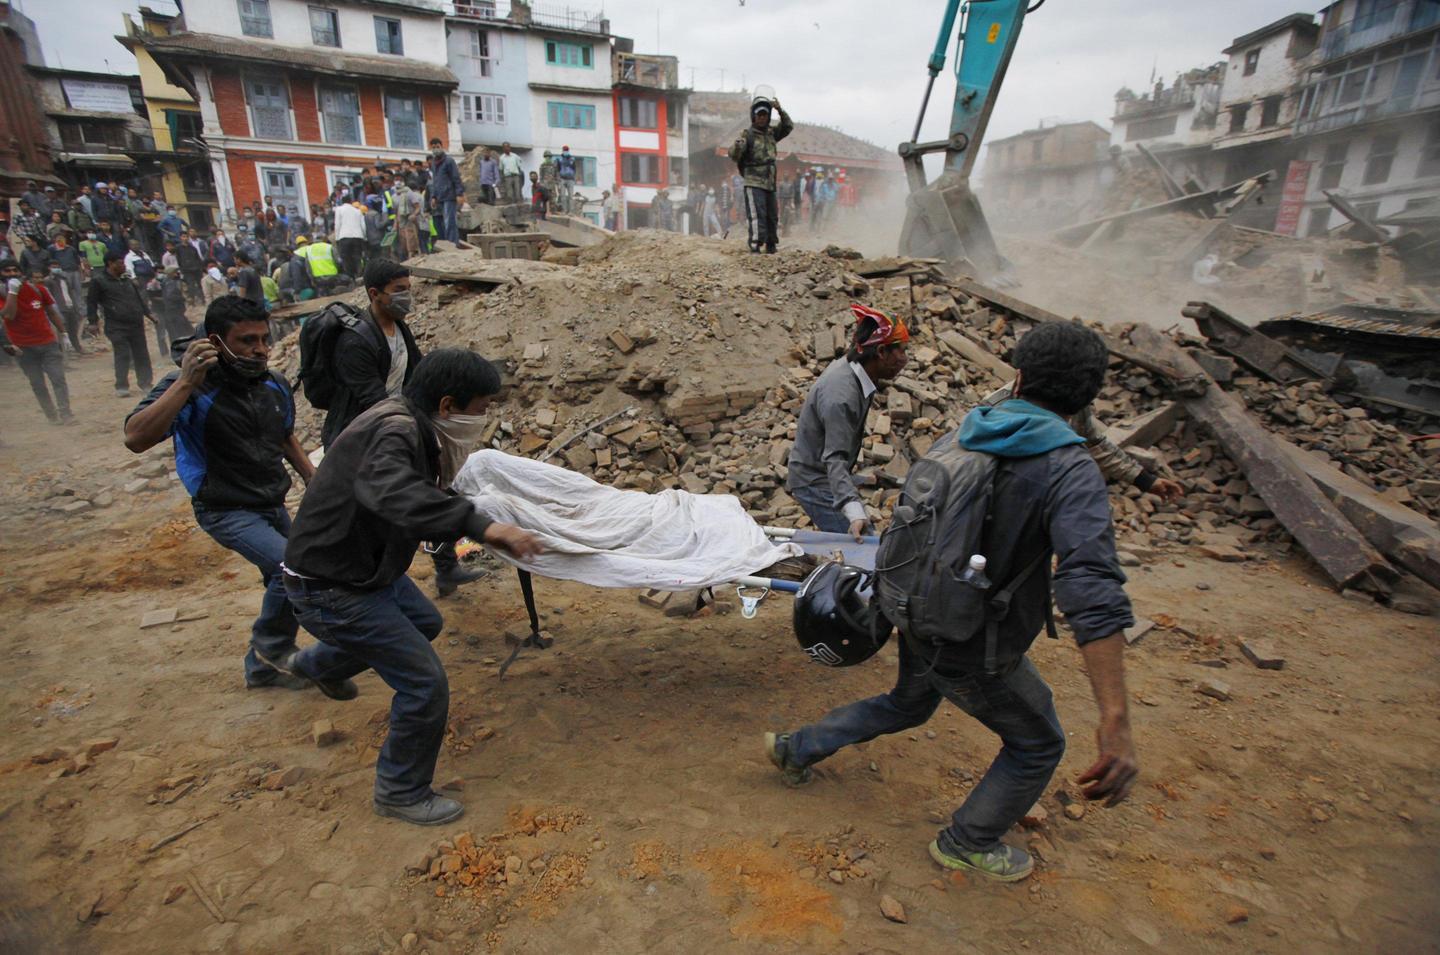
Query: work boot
[(335, 689), (278, 681), (433, 810), (448, 580), (1002, 863), (777, 747)]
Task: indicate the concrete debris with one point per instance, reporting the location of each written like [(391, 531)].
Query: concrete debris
[(1262, 654)]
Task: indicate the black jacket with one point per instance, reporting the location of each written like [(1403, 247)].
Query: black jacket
[(362, 363), (125, 308), (1054, 503), (375, 497)]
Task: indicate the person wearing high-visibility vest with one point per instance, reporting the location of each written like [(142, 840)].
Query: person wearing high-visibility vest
[(320, 256)]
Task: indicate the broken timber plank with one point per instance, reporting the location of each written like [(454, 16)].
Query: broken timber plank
[(1255, 350), (1341, 552), (309, 307), (1371, 231), (1172, 188), (1075, 234), (1144, 431), (976, 353), (1405, 536), (477, 278)]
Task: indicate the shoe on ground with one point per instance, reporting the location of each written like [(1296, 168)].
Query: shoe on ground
[(449, 581), (777, 747), (277, 681), (335, 689), (122, 392), (433, 810), (1001, 864), (67, 417)]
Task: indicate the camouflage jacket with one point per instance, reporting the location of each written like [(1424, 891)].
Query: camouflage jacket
[(548, 173), (754, 152)]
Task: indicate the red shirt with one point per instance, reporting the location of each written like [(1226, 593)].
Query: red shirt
[(31, 324)]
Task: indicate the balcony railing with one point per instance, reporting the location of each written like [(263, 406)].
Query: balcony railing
[(1379, 26), (567, 17), (661, 73)]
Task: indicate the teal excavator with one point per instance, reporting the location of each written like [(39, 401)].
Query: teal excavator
[(943, 219)]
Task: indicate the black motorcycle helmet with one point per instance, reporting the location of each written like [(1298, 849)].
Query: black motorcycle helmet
[(833, 623)]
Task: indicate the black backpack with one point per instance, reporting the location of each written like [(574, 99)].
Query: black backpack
[(318, 336), (943, 517)]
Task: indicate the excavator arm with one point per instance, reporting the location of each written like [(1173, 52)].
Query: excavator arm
[(943, 219)]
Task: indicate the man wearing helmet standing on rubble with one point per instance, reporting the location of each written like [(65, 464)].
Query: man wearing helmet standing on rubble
[(832, 423), (754, 153)]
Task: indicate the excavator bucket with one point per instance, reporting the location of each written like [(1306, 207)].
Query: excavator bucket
[(943, 220)]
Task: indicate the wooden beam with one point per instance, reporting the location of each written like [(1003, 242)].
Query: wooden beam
[(1341, 552), (1172, 188), (1075, 234), (1372, 231)]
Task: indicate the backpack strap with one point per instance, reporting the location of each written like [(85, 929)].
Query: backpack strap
[(998, 607)]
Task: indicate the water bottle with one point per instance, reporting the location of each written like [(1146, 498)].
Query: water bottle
[(974, 575)]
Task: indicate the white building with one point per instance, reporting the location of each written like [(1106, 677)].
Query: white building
[(571, 103), (1177, 121)]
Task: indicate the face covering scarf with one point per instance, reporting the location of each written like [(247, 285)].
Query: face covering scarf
[(244, 367), (459, 434)]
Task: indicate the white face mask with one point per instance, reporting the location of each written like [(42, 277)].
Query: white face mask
[(459, 435)]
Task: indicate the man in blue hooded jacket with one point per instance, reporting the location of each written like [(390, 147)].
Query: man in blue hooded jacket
[(1049, 499)]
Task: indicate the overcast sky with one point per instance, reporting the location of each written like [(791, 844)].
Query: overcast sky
[(855, 64)]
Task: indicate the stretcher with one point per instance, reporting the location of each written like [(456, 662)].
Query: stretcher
[(817, 546)]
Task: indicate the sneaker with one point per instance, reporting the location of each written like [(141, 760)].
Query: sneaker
[(67, 417), (277, 681), (433, 810), (122, 392), (1002, 863), (777, 747), (449, 580), (335, 689)]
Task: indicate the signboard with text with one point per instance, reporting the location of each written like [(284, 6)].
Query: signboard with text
[(97, 97), (1292, 198)]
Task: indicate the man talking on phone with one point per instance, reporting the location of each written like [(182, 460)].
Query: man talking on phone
[(232, 420)]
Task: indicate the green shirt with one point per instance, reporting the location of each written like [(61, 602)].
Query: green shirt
[(94, 251)]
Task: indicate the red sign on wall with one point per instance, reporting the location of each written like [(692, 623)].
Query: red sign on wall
[(1292, 199)]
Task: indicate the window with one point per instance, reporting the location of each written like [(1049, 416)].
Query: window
[(640, 168), (80, 135), (483, 108), (1352, 86), (1238, 114), (674, 115), (586, 170), (1430, 155), (342, 177), (1270, 111), (1319, 222), (639, 113), (183, 125), (387, 36), (1150, 128), (324, 27), (480, 53), (340, 114), (570, 116), (1368, 210), (1037, 148), (402, 113), (569, 54), (677, 171), (269, 108), (1382, 155), (282, 183), (1407, 80), (255, 18), (1333, 165), (1372, 13), (1252, 61)]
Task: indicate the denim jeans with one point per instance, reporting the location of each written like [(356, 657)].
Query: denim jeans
[(449, 229), (128, 346), (1016, 705), (46, 361), (259, 536), (820, 508), (388, 630)]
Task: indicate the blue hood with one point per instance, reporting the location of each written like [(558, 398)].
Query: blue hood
[(1015, 429)]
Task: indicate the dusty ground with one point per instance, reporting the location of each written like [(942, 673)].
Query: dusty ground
[(625, 770)]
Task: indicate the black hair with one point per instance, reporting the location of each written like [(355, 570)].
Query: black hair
[(227, 311), (114, 257), (1062, 365), (9, 264), (461, 374), (381, 272), (241, 256), (435, 141)]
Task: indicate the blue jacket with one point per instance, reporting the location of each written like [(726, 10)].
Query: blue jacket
[(565, 166), (171, 225), (445, 184)]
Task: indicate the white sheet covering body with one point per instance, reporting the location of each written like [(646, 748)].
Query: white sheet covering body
[(606, 537)]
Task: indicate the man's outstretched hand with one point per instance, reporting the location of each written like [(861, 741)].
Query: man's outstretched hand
[(1167, 489), (858, 529), (510, 538), (1113, 775)]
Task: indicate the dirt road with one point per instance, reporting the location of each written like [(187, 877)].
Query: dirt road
[(623, 770)]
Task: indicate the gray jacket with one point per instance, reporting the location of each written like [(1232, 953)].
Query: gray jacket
[(828, 435)]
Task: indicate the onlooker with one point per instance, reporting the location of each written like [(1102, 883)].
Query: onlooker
[(539, 196), (512, 175), (566, 168), (247, 280), (71, 263), (446, 189), (33, 329), (489, 177), (191, 260), (172, 305), (350, 237), (212, 283)]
